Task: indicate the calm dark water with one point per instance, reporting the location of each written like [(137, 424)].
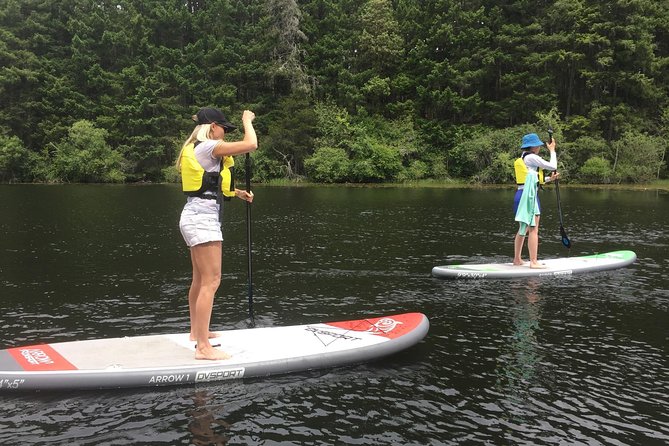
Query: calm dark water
[(579, 360)]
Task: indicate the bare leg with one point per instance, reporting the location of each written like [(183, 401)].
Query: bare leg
[(192, 299), (518, 243), (533, 244), (212, 335), (192, 295), (207, 269)]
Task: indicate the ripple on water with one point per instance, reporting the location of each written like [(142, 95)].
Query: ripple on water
[(581, 360)]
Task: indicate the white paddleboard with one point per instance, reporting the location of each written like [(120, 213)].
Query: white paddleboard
[(168, 359), (553, 267)]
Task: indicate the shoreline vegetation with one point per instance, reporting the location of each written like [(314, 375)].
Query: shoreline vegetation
[(660, 185), (351, 92), (463, 184)]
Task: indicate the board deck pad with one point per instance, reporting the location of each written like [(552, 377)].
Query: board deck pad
[(564, 266), (168, 359)]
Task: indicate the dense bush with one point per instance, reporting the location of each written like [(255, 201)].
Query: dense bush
[(416, 170), (17, 163), (85, 157), (638, 157), (329, 165), (596, 170), (487, 155)]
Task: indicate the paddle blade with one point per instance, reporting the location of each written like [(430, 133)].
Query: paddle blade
[(565, 240)]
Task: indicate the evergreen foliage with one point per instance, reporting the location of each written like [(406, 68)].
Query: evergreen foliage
[(344, 90)]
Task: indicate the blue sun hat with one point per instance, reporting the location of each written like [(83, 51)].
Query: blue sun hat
[(531, 140)]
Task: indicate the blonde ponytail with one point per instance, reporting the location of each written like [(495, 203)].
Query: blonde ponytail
[(200, 133)]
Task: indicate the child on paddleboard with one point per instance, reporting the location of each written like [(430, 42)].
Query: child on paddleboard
[(529, 176)]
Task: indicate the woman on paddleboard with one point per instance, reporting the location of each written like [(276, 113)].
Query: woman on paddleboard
[(205, 163), (529, 175)]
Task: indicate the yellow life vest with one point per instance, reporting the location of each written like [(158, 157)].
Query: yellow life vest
[(195, 181), (521, 172)]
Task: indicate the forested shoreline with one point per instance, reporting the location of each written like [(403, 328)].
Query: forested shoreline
[(344, 91)]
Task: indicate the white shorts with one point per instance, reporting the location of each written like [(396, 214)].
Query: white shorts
[(197, 228)]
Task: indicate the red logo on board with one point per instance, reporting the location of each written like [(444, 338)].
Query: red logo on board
[(388, 326), (43, 357)]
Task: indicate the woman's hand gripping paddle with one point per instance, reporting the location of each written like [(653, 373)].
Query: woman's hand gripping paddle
[(565, 240)]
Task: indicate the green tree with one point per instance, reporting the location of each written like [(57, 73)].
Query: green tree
[(445, 72), (17, 163), (329, 165), (290, 134), (85, 157), (608, 61), (331, 50), (481, 156), (596, 170), (638, 157), (373, 154), (288, 38)]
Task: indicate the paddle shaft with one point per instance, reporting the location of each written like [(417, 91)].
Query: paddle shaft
[(557, 192), (249, 241), (565, 240)]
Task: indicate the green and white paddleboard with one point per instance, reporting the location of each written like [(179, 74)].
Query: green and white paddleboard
[(563, 266)]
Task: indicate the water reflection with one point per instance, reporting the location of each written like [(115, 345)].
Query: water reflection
[(205, 425), (518, 365), (582, 360)]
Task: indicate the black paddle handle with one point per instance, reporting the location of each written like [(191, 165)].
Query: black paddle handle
[(247, 166)]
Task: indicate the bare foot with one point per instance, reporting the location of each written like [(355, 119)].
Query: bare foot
[(212, 335), (537, 265), (210, 353), (518, 263)]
